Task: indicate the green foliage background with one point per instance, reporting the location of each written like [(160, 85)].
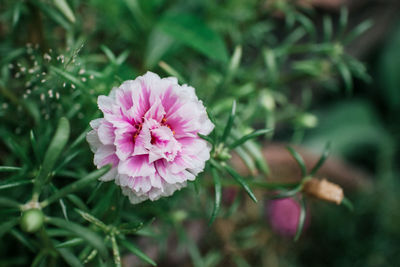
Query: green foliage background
[(285, 66)]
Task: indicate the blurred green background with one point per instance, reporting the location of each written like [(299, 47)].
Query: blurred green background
[(292, 58)]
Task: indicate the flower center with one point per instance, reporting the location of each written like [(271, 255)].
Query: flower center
[(162, 143)]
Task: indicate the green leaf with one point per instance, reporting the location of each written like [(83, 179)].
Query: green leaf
[(302, 218), (6, 202), (14, 184), (299, 160), (132, 248), (69, 257), (255, 151), (78, 185), (249, 136), (343, 20), (347, 203), (287, 193), (321, 160), (171, 71), (158, 45), (64, 8), (90, 218), (117, 256), (218, 192), (53, 152), (192, 31), (83, 232), (229, 123), (9, 169), (7, 226), (346, 76), (205, 137), (328, 28), (67, 76), (357, 31), (70, 243), (241, 181)]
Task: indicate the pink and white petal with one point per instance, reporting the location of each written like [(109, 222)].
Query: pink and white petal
[(133, 197), (110, 175), (163, 170), (105, 104), (106, 133), (142, 142), (156, 111), (105, 155), (93, 139), (141, 184), (96, 123), (123, 95), (124, 145), (136, 166)]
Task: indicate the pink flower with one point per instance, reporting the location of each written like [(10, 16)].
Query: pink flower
[(149, 136), (284, 216)]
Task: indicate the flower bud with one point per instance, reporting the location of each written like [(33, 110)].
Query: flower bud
[(31, 220), (267, 100), (307, 120), (324, 190)]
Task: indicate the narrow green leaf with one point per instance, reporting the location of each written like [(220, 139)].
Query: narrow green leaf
[(249, 136), (7, 202), (247, 159), (110, 55), (16, 14), (67, 76), (302, 218), (205, 137), (70, 243), (328, 28), (82, 232), (7, 226), (40, 257), (357, 31), (229, 124), (78, 185), (241, 181), (192, 31), (90, 218), (321, 160), (132, 248), (53, 152), (346, 76), (308, 24), (255, 151), (299, 160), (343, 20), (117, 256), (53, 14), (23, 239), (9, 169), (171, 71), (234, 63), (347, 203), (69, 257), (64, 8), (287, 193), (218, 192)]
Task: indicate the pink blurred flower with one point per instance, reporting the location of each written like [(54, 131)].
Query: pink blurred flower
[(149, 136), (284, 216)]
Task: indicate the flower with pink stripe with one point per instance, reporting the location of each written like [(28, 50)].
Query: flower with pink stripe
[(149, 134)]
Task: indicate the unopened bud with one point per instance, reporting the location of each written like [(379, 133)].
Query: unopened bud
[(307, 120), (324, 190), (267, 100), (32, 220)]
